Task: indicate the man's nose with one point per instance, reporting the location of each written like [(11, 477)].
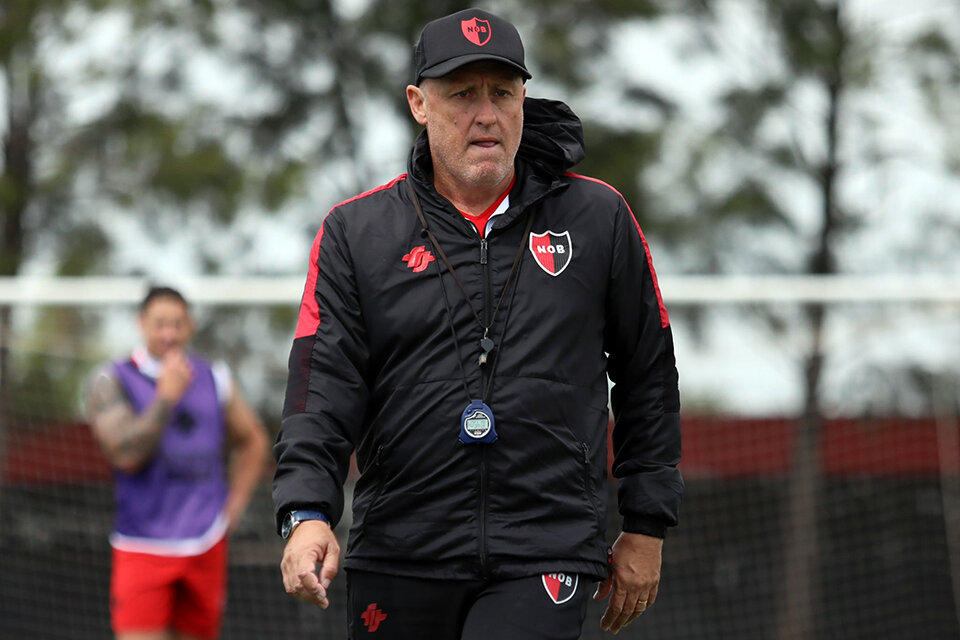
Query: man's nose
[(486, 114)]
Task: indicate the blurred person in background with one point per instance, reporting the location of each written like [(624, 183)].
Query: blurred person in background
[(454, 332), (168, 422)]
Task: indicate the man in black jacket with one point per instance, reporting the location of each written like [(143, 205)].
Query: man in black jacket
[(456, 331)]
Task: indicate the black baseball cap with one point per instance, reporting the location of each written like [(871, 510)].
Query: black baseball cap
[(467, 36)]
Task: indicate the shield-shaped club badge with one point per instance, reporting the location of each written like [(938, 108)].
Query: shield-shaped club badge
[(552, 251), (560, 586), (476, 31)]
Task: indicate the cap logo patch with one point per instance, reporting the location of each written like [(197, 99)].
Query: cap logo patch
[(552, 251), (560, 586), (476, 31)]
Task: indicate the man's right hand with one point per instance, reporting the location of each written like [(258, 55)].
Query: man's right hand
[(312, 542), (175, 376)]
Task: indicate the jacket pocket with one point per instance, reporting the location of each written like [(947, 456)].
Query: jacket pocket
[(588, 481), (380, 481)]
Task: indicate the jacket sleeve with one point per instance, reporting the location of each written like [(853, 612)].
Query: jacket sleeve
[(645, 396), (326, 392)]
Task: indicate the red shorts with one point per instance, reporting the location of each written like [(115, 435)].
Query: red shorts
[(153, 593)]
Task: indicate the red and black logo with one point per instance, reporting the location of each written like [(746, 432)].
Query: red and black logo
[(552, 251), (418, 258), (560, 586), (372, 617), (476, 31)]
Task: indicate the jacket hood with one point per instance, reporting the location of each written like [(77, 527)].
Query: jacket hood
[(552, 140), (552, 135)]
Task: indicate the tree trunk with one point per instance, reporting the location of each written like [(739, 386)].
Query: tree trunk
[(17, 179), (5, 413), (797, 612), (799, 590)]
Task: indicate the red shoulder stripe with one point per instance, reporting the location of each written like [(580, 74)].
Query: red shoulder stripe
[(309, 319), (664, 317), (382, 187)]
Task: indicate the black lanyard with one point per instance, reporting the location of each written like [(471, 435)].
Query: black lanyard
[(486, 343)]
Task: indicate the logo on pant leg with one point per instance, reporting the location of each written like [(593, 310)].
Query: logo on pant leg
[(372, 617), (560, 586)]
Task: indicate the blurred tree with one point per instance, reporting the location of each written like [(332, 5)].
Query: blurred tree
[(367, 59), (23, 86), (32, 199), (774, 181), (328, 78), (61, 172), (163, 123), (103, 128)]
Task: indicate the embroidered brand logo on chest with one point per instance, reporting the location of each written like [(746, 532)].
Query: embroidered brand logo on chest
[(418, 259)]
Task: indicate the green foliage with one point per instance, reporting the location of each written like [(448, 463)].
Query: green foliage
[(935, 43), (751, 203), (746, 109), (147, 155), (16, 28), (763, 129), (203, 171), (281, 183), (50, 367), (812, 38), (282, 318), (85, 252), (937, 64), (160, 150), (618, 157), (627, 9)]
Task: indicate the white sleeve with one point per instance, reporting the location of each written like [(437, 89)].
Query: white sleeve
[(223, 380)]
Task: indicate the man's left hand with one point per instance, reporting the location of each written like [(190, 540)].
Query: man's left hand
[(633, 580)]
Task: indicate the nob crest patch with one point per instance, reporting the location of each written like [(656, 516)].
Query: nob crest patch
[(552, 251), (476, 31), (560, 586)]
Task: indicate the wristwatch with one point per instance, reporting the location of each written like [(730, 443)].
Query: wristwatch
[(295, 517)]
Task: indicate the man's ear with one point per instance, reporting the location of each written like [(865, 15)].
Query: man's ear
[(417, 101)]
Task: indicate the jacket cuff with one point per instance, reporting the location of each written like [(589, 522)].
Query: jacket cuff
[(646, 526)]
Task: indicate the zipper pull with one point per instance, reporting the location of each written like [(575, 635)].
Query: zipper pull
[(483, 251)]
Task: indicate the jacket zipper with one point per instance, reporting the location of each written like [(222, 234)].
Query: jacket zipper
[(484, 373)]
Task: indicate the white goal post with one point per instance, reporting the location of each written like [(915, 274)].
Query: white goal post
[(677, 290)]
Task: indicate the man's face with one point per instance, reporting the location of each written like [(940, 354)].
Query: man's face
[(166, 326), (474, 119)]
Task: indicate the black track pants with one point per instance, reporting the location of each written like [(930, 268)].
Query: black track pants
[(384, 607)]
